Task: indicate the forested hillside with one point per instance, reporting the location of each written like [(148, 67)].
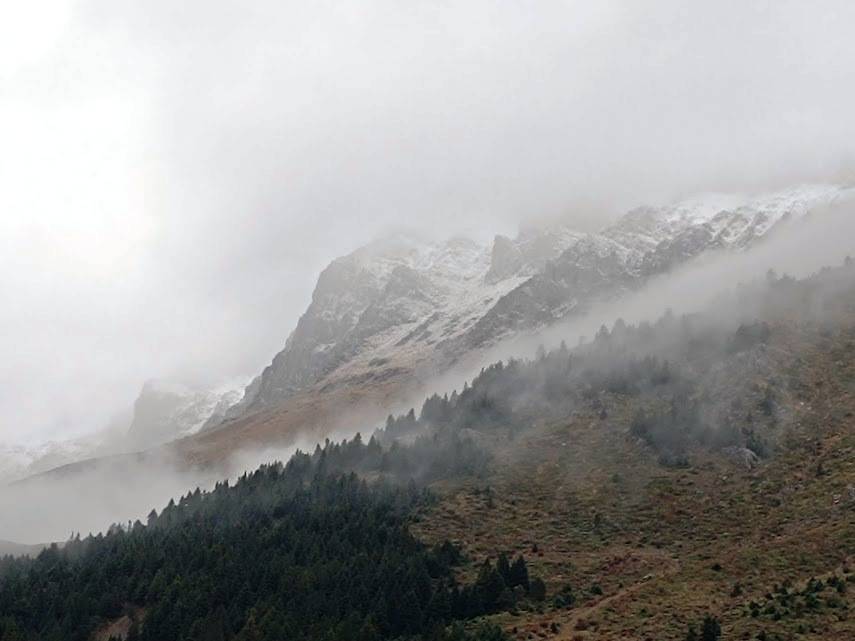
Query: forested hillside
[(546, 497), (682, 375), (302, 551)]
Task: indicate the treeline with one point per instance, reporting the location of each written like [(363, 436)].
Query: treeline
[(663, 364), (510, 395), (290, 551), (316, 548), (506, 398), (426, 458), (319, 549)]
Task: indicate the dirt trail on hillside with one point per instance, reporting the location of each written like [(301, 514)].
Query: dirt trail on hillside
[(580, 622), (575, 626)]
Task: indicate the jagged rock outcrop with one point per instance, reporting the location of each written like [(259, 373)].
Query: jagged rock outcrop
[(505, 259), (391, 302)]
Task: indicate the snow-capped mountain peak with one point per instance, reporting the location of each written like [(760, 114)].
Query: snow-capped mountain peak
[(166, 410), (398, 302)]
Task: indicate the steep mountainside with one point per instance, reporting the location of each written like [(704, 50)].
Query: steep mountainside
[(684, 479), (396, 305), (633, 545), (389, 317)]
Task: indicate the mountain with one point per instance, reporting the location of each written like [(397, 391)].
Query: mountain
[(163, 411), (378, 310), (387, 319), (398, 308), (18, 461), (166, 410), (681, 474)]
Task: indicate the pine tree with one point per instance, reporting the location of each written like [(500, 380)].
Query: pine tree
[(489, 586), (251, 631), (711, 630), (503, 567), (518, 574), (537, 590)]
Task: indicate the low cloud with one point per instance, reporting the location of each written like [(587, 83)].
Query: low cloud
[(173, 177)]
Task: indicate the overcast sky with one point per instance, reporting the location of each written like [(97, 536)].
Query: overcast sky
[(173, 175)]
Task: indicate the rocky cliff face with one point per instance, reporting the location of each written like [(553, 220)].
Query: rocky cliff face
[(645, 242), (383, 306), (386, 307)]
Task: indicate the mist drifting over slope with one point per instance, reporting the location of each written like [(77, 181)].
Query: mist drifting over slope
[(821, 239), (173, 177), (92, 496)]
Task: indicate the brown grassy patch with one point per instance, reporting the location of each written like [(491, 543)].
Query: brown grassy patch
[(587, 504)]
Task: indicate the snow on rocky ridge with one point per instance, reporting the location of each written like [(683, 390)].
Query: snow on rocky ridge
[(166, 410), (382, 309), (18, 461), (163, 411), (397, 303)]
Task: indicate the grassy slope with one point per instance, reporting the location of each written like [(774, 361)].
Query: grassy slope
[(668, 545)]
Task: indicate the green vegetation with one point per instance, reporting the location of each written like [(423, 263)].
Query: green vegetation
[(506, 398), (291, 551), (786, 602), (599, 464), (710, 630)]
